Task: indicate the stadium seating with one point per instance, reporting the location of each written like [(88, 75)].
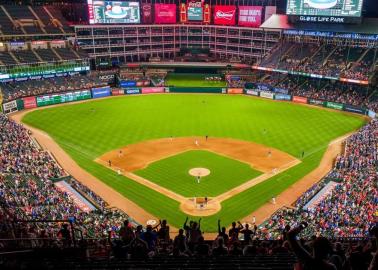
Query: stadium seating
[(7, 59)]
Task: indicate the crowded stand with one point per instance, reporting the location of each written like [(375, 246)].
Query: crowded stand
[(28, 191), (348, 210), (15, 90)]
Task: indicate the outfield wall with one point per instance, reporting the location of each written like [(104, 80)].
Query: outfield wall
[(100, 92)]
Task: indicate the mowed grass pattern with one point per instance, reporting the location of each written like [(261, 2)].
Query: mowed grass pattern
[(173, 173), (115, 122)]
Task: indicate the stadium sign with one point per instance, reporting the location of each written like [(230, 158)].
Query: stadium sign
[(316, 102), (101, 92), (10, 107), (224, 15), (297, 99), (132, 91), (235, 91), (282, 97), (268, 95), (354, 109), (250, 16), (334, 105), (252, 92), (29, 102), (150, 90)]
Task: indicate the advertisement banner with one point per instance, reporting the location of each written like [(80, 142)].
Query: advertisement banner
[(195, 11), (113, 12), (127, 83), (282, 97), (207, 13), (235, 91), (354, 109), (117, 92), (267, 95), (165, 13), (29, 102), (281, 90), (150, 90), (316, 102), (132, 91), (263, 87), (146, 13), (51, 99), (269, 11), (371, 114), (250, 16), (101, 92), (224, 15), (297, 99), (10, 107), (252, 92), (334, 105)]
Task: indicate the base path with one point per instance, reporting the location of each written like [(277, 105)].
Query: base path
[(138, 156)]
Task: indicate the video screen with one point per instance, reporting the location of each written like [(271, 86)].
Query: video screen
[(103, 12), (195, 13), (336, 8)]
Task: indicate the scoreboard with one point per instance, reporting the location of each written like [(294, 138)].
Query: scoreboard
[(332, 11)]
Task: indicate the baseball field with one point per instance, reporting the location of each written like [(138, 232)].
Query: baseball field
[(255, 149)]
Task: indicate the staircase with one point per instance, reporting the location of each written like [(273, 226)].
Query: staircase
[(11, 19), (57, 55), (37, 55), (41, 24), (14, 57)]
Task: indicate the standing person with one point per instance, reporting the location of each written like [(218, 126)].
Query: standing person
[(196, 142), (253, 219), (179, 244), (303, 154), (110, 163), (206, 137), (247, 233), (126, 233), (198, 179), (222, 232), (163, 232), (120, 153), (234, 231)]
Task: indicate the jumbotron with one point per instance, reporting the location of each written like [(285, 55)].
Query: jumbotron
[(191, 134)]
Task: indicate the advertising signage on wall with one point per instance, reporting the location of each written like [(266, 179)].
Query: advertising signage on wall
[(146, 13), (165, 13), (224, 15), (250, 16), (104, 12), (63, 97), (195, 11)]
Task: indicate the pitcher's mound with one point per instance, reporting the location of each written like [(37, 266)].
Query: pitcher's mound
[(199, 172)]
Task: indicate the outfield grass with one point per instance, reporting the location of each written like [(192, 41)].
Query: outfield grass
[(192, 80), (115, 122), (172, 173)]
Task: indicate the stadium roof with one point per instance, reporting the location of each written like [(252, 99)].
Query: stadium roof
[(368, 25)]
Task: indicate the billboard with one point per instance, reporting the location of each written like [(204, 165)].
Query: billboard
[(29, 102), (316, 102), (118, 92), (250, 16), (127, 83), (252, 92), (165, 13), (146, 10), (282, 97), (104, 12), (267, 95), (297, 99), (195, 11), (52, 99), (354, 109), (334, 105), (224, 15), (132, 91), (101, 92), (10, 107), (150, 90), (235, 91)]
